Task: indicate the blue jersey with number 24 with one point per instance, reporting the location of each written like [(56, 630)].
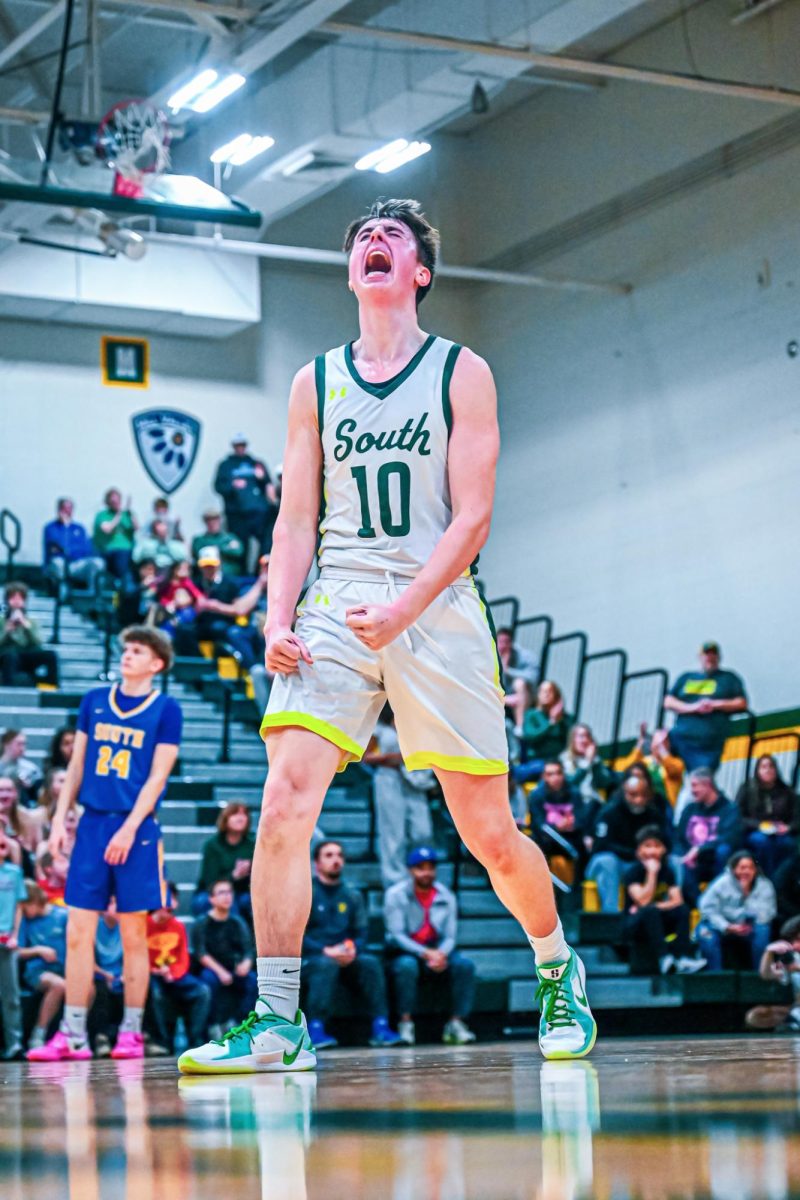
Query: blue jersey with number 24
[(123, 732)]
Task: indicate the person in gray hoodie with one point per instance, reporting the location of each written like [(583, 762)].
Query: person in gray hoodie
[(421, 919), (737, 910)]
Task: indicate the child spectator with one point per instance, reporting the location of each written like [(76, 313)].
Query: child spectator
[(402, 810), (61, 748), (15, 822), (656, 908), (223, 947), (770, 814), (737, 912), (174, 991), (137, 602), (558, 816), (617, 826), (21, 650), (12, 896), (544, 731), (228, 855), (707, 833), (179, 598), (50, 870), (584, 768), (43, 950), (161, 513), (14, 764), (114, 532)]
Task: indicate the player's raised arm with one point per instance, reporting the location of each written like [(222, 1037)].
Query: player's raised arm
[(295, 536)]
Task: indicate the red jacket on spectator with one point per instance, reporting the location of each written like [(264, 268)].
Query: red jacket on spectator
[(167, 946)]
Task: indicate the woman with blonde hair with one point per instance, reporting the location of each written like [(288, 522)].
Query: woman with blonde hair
[(584, 768), (544, 732)]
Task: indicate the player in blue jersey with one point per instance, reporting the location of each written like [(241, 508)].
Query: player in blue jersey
[(126, 744)]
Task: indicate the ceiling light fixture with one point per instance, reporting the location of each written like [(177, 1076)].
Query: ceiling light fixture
[(218, 92), (191, 90), (242, 148), (298, 163), (411, 151), (369, 161)]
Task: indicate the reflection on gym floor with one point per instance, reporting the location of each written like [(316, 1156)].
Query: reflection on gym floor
[(696, 1118)]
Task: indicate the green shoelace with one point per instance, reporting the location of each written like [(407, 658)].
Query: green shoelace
[(246, 1026), (554, 1004)]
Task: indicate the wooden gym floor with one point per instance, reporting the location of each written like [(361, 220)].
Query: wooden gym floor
[(696, 1117)]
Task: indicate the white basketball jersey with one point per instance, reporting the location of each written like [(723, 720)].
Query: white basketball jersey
[(386, 494)]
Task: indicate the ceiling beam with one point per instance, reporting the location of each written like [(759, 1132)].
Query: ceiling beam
[(561, 62), (33, 31), (22, 116), (190, 8)]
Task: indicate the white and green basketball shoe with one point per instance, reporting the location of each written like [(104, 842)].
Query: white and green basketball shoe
[(567, 1028), (263, 1042)]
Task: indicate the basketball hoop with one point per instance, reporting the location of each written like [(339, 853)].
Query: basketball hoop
[(133, 138)]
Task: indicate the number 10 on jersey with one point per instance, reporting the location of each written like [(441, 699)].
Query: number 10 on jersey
[(391, 527)]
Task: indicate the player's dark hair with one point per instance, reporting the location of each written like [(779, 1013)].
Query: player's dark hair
[(410, 213), (145, 635), (320, 846), (15, 587), (650, 833)]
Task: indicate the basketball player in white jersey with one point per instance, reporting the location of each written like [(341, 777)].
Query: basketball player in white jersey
[(394, 439)]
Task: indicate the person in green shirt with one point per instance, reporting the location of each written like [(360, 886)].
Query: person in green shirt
[(21, 651), (228, 855), (544, 732), (231, 550), (114, 531)]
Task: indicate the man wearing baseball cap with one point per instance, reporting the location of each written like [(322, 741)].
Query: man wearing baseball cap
[(247, 490), (703, 701), (231, 550), (421, 919)]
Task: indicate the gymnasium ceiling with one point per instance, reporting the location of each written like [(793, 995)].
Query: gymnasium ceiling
[(316, 83)]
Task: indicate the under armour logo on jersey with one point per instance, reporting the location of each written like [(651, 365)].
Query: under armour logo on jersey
[(341, 393), (322, 599)]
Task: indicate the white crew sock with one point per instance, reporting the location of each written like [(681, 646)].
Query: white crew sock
[(550, 949), (73, 1023), (279, 985), (132, 1020)]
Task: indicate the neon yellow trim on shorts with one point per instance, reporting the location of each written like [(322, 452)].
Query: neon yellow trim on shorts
[(454, 762), (282, 720), (497, 682)]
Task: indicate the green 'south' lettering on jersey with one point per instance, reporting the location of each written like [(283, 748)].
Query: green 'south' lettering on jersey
[(409, 438)]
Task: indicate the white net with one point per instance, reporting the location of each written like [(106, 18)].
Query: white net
[(134, 138)]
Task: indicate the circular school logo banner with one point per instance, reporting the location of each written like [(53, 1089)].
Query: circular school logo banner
[(167, 442)]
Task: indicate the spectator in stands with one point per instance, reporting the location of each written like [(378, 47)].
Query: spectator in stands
[(228, 855), (14, 764), (61, 747), (402, 809), (707, 833), (780, 963), (71, 818), (248, 494), (334, 950), (46, 802), (223, 947), (50, 872), (737, 912), (157, 545), (520, 675), (223, 606), (107, 1008), (114, 533), (544, 731), (617, 826), (179, 600), (656, 909), (658, 800), (161, 513), (68, 553), (174, 990), (43, 950), (770, 815), (13, 824), (560, 818), (138, 601), (21, 652), (655, 752), (12, 897), (703, 701), (584, 768), (231, 549), (421, 917)]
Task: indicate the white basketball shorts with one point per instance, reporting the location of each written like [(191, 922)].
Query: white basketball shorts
[(441, 677)]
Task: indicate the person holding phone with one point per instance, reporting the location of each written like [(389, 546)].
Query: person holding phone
[(737, 911)]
